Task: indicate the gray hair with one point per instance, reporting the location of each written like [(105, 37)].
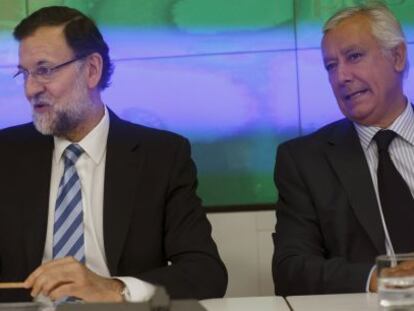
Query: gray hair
[(384, 25)]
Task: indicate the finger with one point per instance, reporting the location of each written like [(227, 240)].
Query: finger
[(45, 282), (79, 286), (36, 286), (40, 270), (47, 266), (64, 290), (31, 279), (51, 276), (397, 271), (47, 286), (406, 265), (403, 272)]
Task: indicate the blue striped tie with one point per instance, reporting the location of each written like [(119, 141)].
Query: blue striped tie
[(68, 237)]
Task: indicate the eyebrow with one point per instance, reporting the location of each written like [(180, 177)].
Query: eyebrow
[(343, 51), (39, 63), (328, 59), (350, 49)]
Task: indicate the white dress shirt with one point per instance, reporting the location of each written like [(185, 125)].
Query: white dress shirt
[(401, 151), (91, 170)]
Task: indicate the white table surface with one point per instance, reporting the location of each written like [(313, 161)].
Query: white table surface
[(246, 304), (340, 302)]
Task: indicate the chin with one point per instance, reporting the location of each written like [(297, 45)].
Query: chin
[(361, 119), (44, 129), (360, 114), (43, 125)]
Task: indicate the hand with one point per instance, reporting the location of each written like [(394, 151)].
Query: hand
[(405, 268), (373, 282), (68, 277)]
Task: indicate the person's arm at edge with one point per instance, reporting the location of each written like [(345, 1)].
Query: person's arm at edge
[(196, 270), (300, 264)]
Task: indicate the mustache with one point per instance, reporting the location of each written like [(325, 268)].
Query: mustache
[(39, 101)]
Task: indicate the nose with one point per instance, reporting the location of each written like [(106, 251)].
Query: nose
[(33, 87), (343, 74)]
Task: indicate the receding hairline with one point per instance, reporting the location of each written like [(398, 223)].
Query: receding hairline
[(360, 19), (368, 10), (54, 31), (360, 16), (61, 25), (383, 23)]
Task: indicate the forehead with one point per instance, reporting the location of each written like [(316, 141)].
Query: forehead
[(354, 31), (46, 44)]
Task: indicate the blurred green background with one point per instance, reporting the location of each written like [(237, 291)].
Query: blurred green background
[(236, 77)]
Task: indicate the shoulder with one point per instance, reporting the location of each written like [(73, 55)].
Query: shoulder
[(125, 132), (19, 133), (311, 149), (320, 137), (20, 143), (149, 134), (144, 132)]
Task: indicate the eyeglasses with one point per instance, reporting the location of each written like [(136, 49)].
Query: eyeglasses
[(43, 74)]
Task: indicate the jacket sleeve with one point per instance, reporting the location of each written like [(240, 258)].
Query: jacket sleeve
[(302, 264), (195, 270)]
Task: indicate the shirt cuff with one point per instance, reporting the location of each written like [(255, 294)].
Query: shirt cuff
[(369, 279), (138, 290)]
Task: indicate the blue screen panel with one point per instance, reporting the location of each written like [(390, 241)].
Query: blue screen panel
[(317, 102), (14, 108), (234, 109)]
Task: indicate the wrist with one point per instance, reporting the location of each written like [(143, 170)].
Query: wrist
[(120, 290), (125, 294), (373, 286)]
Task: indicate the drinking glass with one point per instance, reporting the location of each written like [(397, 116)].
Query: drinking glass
[(396, 281)]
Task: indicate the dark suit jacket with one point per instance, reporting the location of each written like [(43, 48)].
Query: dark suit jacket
[(152, 214), (328, 229)]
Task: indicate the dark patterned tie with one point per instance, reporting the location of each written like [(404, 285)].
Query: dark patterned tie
[(396, 199)]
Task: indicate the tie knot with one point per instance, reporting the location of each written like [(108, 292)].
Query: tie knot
[(72, 154), (384, 138)]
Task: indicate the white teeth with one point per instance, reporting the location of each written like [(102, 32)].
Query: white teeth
[(353, 95)]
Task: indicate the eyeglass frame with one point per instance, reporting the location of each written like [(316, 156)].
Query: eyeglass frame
[(49, 71)]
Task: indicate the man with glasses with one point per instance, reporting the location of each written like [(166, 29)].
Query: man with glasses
[(93, 207)]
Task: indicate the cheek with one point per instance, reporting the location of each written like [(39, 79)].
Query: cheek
[(335, 89), (367, 75), (333, 81), (344, 109), (57, 92)]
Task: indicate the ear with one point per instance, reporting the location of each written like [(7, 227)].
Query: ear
[(94, 72), (399, 57)]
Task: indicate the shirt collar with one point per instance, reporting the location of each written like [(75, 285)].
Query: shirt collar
[(403, 126), (94, 143)]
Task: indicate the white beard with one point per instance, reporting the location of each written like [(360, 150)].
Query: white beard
[(64, 116)]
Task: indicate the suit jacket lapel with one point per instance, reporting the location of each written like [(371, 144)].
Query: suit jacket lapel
[(121, 170), (36, 184), (347, 158)]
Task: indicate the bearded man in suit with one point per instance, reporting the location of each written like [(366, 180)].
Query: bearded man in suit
[(93, 207)]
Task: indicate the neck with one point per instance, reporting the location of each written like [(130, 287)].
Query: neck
[(394, 111), (92, 118)]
